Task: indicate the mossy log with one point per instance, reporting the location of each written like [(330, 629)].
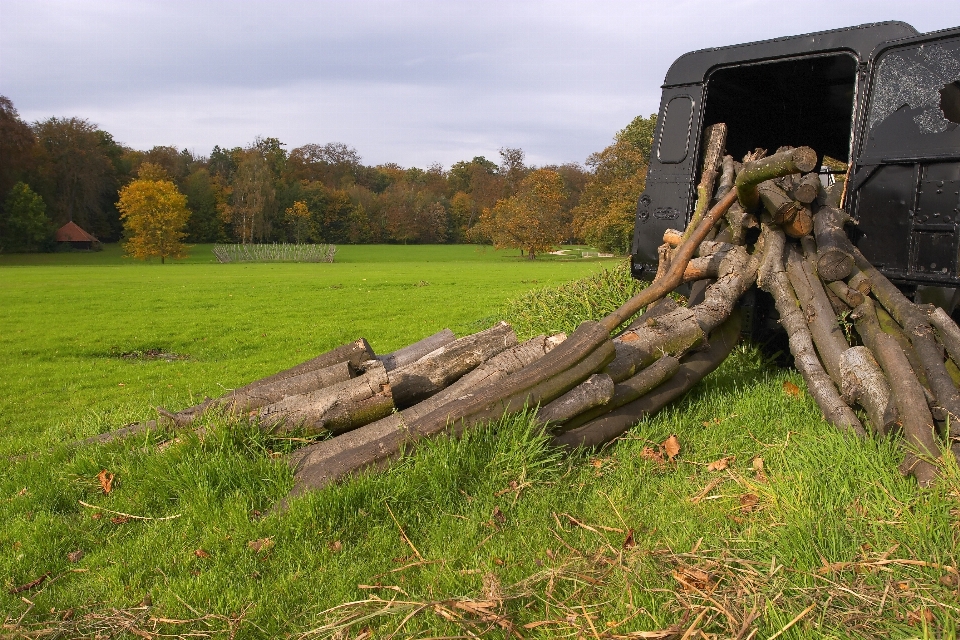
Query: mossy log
[(595, 391), (799, 160)]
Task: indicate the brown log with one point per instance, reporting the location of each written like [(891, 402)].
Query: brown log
[(673, 333), (850, 296), (921, 334), (703, 267), (801, 224), (727, 176), (317, 465), (693, 368), (342, 407), (773, 279), (413, 352), (715, 139), (914, 415), (806, 188), (799, 160), (674, 275), (778, 204), (673, 237), (862, 382), (629, 390), (593, 392), (663, 261), (834, 262), (839, 306), (826, 333), (419, 380)]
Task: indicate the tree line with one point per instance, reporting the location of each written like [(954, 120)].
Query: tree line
[(68, 169)]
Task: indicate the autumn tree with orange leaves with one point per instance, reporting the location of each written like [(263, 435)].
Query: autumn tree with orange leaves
[(154, 214), (532, 218)]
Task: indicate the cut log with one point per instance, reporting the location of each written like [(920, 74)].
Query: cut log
[(260, 394), (918, 329), (826, 333), (736, 273), (806, 188), (773, 279), (850, 296), (673, 333), (336, 409), (799, 160), (834, 262), (781, 207), (418, 381), (629, 390), (801, 224), (693, 368), (593, 392), (673, 237), (863, 383), (412, 353), (715, 139), (949, 336), (704, 267), (915, 417), (727, 176), (858, 280), (322, 463)]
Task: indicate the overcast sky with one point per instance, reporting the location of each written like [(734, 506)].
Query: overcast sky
[(406, 82)]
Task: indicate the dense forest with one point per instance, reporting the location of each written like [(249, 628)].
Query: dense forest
[(62, 169)]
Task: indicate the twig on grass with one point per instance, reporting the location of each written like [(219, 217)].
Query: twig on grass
[(402, 532), (128, 515)]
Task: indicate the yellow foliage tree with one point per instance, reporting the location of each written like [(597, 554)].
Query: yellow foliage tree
[(154, 214), (532, 218), (299, 218)]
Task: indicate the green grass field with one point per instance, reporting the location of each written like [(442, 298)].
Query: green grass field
[(494, 535)]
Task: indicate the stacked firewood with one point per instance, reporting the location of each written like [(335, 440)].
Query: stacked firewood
[(771, 224)]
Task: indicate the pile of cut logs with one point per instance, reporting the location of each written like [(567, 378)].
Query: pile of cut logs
[(769, 223)]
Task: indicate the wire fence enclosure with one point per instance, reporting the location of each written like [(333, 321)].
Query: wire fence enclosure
[(274, 252)]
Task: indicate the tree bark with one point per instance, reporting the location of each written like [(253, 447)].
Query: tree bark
[(801, 224), (317, 465), (727, 176), (949, 335), (673, 333), (593, 392), (412, 353), (806, 188), (799, 160), (715, 139), (336, 409), (629, 390), (826, 333), (694, 367), (850, 296), (914, 415), (921, 336), (773, 279), (858, 280), (778, 204), (834, 262), (418, 381), (673, 237), (736, 273), (863, 382)]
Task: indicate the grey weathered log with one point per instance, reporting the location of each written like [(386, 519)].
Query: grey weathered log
[(895, 331), (709, 248), (655, 309), (860, 281), (739, 222), (629, 390), (593, 392), (834, 262), (714, 141), (693, 368), (703, 268), (949, 336), (799, 160), (673, 333), (914, 415), (342, 407), (412, 353), (773, 279), (353, 353), (419, 380), (917, 327), (806, 188), (322, 463), (736, 274), (862, 382), (727, 176), (826, 332), (850, 296)]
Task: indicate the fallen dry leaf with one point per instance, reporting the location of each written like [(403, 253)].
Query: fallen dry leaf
[(597, 462), (791, 389), (671, 446), (120, 520), (748, 501), (719, 465), (498, 515), (96, 515), (75, 556), (649, 453), (202, 553), (106, 480), (922, 614), (335, 546), (260, 545), (628, 542)]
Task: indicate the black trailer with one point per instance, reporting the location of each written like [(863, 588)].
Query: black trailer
[(881, 97)]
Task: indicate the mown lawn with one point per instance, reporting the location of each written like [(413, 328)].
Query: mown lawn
[(805, 531)]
